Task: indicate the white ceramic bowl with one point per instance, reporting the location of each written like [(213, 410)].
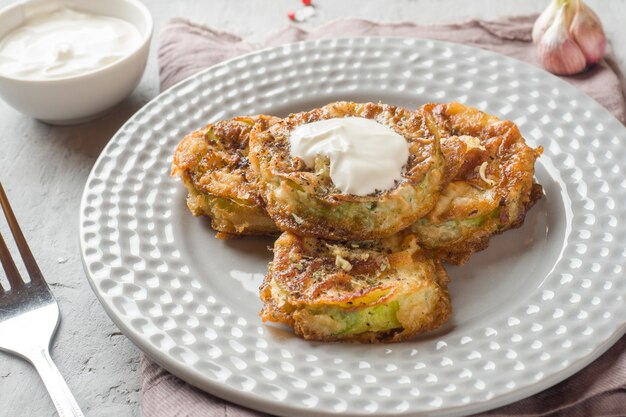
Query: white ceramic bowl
[(83, 97)]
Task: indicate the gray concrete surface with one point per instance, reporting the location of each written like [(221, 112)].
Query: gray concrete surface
[(43, 169)]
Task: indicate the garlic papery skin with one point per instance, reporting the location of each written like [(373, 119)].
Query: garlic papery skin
[(558, 52), (569, 37), (544, 20), (586, 29)]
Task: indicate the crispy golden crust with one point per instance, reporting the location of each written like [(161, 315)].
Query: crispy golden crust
[(489, 177), (306, 202), (213, 165), (326, 289)]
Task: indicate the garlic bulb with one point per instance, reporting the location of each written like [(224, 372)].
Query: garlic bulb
[(569, 37), (558, 52)]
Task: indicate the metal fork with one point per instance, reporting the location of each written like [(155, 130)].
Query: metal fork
[(29, 316)]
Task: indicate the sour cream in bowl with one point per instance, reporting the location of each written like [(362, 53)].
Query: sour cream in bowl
[(69, 61)]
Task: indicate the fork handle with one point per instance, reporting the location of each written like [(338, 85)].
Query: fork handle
[(55, 384)]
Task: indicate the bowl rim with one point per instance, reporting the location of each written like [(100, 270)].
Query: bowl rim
[(146, 36)]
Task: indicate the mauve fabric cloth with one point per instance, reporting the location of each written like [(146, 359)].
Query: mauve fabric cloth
[(186, 48)]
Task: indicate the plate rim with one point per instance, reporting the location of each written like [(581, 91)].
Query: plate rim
[(255, 402)]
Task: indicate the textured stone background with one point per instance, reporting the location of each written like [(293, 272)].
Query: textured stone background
[(43, 169)]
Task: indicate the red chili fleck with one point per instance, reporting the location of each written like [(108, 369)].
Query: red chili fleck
[(306, 2), (291, 15)]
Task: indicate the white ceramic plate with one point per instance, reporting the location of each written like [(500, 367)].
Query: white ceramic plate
[(538, 305)]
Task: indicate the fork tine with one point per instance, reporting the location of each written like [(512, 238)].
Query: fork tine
[(9, 266), (20, 241)]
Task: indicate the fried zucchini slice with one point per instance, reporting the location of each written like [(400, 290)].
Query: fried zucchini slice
[(489, 177), (365, 291), (213, 165), (305, 201)]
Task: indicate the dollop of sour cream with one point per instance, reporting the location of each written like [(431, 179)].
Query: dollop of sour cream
[(65, 43), (365, 156)]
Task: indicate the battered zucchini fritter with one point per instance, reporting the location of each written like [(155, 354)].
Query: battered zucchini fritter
[(489, 176), (365, 291), (213, 165), (305, 201)]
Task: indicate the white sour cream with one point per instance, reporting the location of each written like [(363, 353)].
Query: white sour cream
[(65, 43), (365, 156)]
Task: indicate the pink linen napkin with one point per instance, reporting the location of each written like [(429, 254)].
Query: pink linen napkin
[(186, 48)]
